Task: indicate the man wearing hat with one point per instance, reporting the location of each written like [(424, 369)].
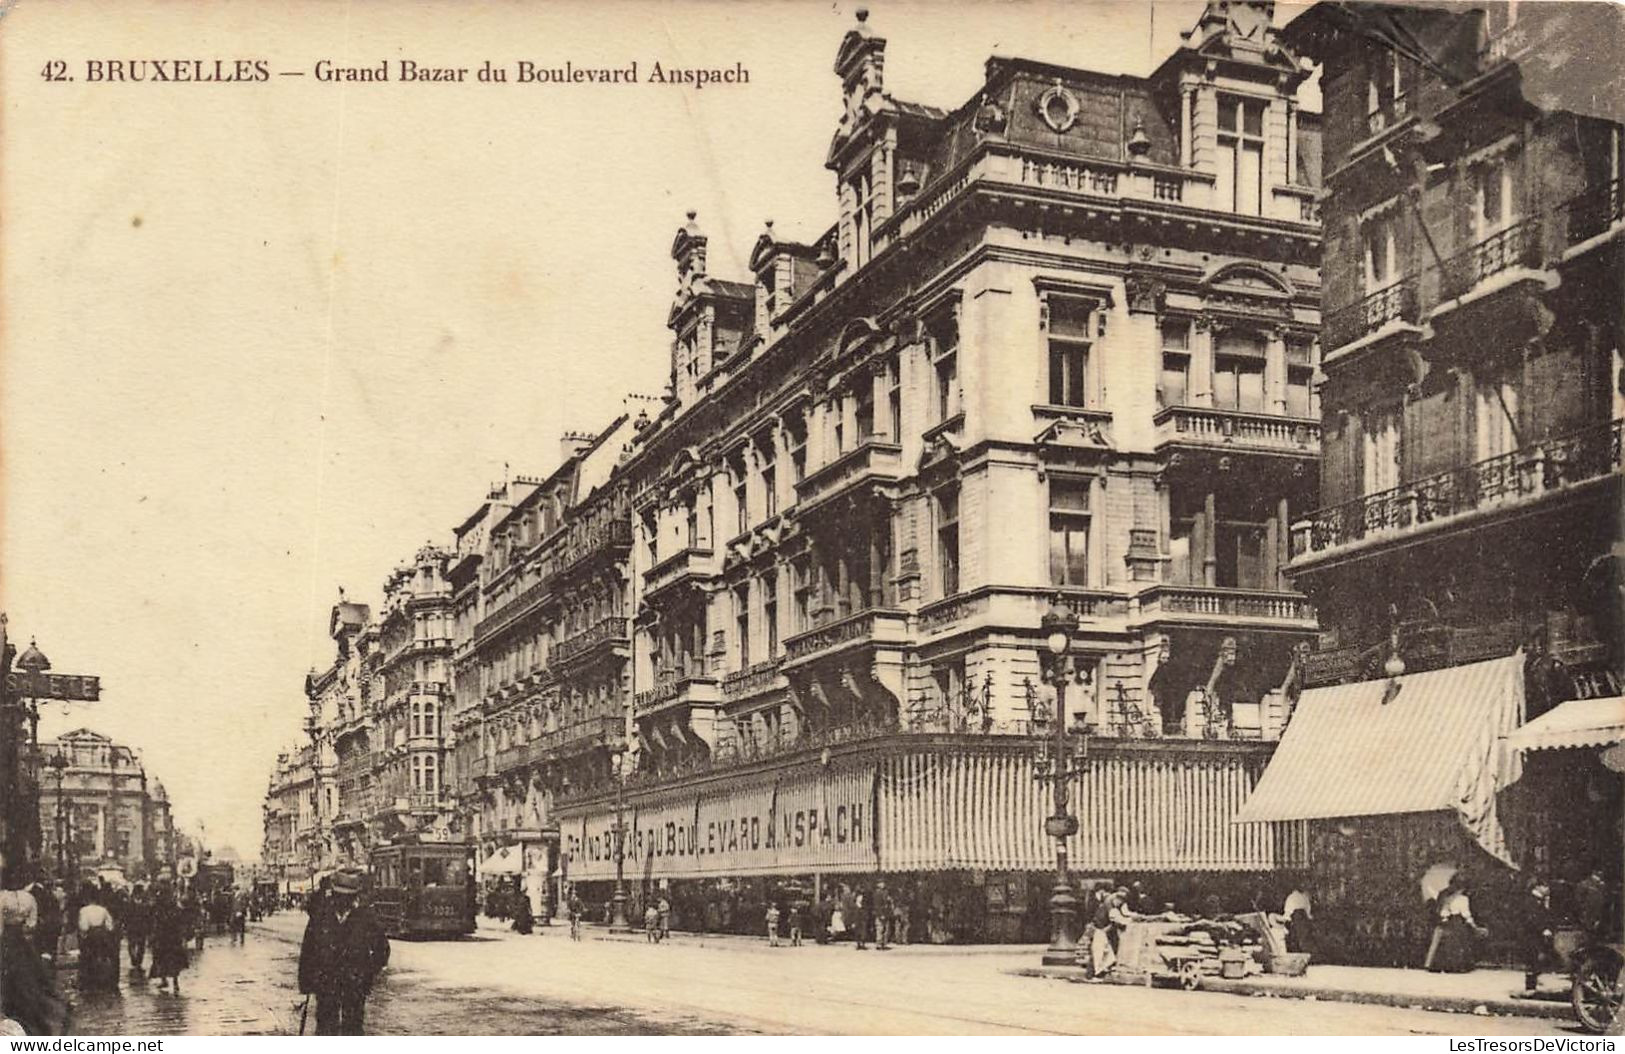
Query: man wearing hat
[(343, 951)]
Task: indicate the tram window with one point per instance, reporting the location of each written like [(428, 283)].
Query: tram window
[(434, 873)]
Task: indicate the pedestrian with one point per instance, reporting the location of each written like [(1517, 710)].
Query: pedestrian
[(98, 944), (49, 930), (797, 909), (900, 921), (772, 925), (523, 920), (651, 924), (27, 986), (1299, 922), (576, 910), (1455, 948), (1536, 932), (239, 918), (169, 927), (883, 916), (664, 908), (138, 927), (863, 918), (343, 951)]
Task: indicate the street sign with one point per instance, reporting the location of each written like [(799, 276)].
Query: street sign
[(72, 687)]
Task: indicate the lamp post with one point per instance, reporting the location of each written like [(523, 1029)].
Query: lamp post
[(1057, 763), (617, 920), (33, 661), (59, 768)]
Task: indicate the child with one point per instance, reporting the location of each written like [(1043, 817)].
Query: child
[(795, 924), (772, 925)]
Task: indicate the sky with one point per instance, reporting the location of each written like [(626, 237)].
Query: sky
[(259, 341)]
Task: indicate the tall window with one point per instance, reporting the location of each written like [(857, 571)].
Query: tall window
[(894, 403), (1385, 91), (1378, 240), (1300, 371), (798, 449), (766, 458), (1238, 373), (1069, 352), (944, 335), (865, 397), (1496, 412), (948, 541), (742, 625), (1176, 361), (1240, 183), (1239, 550), (801, 581), (770, 613), (1068, 531), (741, 503), (863, 217), (1494, 196), (1379, 463), (691, 523), (1181, 570)]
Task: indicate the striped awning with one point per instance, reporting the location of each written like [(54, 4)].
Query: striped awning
[(1137, 811), (1352, 750), (1576, 723)]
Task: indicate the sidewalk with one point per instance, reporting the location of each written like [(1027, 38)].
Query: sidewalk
[(1494, 992), (597, 931)]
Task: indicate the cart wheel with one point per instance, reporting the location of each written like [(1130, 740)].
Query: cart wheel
[(1190, 975), (1596, 992)]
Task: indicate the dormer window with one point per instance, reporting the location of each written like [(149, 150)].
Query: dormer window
[(1240, 183)]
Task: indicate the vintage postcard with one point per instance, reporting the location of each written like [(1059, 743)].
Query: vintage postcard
[(783, 518)]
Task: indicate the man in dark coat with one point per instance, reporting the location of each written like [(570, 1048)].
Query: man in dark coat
[(343, 951)]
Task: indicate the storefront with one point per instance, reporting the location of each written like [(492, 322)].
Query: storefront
[(954, 824), (1394, 777)]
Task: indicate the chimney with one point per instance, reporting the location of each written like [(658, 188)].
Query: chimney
[(573, 443)]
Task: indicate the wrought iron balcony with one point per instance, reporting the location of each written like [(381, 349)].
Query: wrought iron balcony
[(1394, 303), (1529, 474), (1240, 430), (1517, 246), (691, 565), (606, 632), (751, 681), (874, 460), (1590, 213), (685, 690), (875, 626)]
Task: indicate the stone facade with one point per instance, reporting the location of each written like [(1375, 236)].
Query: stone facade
[(101, 810)]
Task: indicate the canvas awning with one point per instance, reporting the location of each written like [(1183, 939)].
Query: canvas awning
[(1364, 750), (1576, 723), (508, 860)]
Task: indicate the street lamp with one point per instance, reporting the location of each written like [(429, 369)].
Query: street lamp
[(33, 661), (59, 768), (1057, 763), (617, 921)]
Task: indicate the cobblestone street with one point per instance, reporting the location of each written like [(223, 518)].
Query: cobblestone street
[(501, 983)]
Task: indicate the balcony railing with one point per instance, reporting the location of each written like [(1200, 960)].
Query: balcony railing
[(610, 630), (1394, 303), (695, 688), (875, 625), (691, 563), (1590, 213), (583, 543), (1207, 426), (874, 459), (1517, 246), (1520, 476), (1224, 602), (751, 680), (511, 611)]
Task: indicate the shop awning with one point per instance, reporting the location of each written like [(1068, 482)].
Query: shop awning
[(1365, 750), (507, 860), (1577, 723)]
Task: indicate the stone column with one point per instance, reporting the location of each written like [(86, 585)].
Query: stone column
[(1275, 371), (1201, 378), (1210, 531)]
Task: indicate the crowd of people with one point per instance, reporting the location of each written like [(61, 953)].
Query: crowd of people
[(95, 919)]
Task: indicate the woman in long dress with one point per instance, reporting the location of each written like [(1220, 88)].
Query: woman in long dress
[(1456, 949), (98, 944), (169, 930)]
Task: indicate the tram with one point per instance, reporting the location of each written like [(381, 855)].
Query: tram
[(422, 890)]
